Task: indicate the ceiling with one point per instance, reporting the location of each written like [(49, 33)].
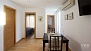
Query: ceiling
[(46, 4)]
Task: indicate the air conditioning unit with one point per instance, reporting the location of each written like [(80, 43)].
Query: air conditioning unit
[(68, 5)]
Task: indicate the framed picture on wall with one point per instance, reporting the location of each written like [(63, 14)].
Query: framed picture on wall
[(40, 18), (70, 16), (66, 17)]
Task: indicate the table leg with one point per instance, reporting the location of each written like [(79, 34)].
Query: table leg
[(43, 46), (67, 46)]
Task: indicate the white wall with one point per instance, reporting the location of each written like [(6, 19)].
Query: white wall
[(40, 26), (1, 38), (78, 30), (1, 30), (18, 21)]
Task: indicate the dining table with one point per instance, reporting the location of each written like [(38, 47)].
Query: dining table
[(46, 39)]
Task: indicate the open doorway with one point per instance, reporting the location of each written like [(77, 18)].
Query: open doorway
[(50, 24), (30, 24)]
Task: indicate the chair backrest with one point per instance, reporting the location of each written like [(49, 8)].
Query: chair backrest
[(53, 30), (56, 42)]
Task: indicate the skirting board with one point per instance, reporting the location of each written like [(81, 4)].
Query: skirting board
[(38, 38), (19, 40)]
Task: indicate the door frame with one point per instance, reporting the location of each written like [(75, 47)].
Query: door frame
[(47, 21), (5, 6), (32, 13)]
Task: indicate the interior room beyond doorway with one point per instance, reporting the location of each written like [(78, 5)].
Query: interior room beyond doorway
[(50, 24), (30, 25)]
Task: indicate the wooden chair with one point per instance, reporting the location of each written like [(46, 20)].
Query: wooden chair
[(53, 30), (55, 43)]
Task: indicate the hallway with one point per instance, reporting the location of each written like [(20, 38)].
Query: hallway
[(29, 44)]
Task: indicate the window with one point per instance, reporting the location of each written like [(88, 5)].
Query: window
[(30, 21), (58, 23)]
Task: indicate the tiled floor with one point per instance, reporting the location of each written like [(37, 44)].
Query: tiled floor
[(29, 44)]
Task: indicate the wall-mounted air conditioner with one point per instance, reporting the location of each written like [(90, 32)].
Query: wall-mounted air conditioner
[(68, 4)]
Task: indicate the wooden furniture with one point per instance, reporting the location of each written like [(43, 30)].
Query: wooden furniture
[(52, 30), (45, 40), (56, 42)]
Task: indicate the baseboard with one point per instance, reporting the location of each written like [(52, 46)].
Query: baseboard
[(19, 40), (38, 38)]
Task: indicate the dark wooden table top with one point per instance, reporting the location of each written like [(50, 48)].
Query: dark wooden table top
[(46, 37)]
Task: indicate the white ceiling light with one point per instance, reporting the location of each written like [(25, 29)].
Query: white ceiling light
[(28, 1)]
